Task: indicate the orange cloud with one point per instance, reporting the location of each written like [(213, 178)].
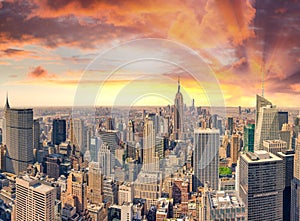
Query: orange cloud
[(40, 72)]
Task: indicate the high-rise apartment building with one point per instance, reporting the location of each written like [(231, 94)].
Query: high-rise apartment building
[(178, 114), (95, 183), (261, 184), (206, 158), (34, 201), (19, 139), (59, 131)]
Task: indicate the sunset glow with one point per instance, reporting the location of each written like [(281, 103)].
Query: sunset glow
[(48, 47)]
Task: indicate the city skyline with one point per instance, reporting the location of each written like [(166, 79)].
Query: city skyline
[(45, 48)]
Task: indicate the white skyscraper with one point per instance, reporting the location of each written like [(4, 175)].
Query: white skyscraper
[(78, 134), (106, 160), (206, 158), (34, 201), (267, 127), (150, 157)]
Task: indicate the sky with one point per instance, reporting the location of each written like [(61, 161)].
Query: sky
[(88, 52)]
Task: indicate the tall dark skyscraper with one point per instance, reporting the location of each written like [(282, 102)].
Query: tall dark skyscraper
[(249, 137), (295, 194), (59, 131), (283, 118), (261, 184), (19, 138), (230, 124), (288, 171), (36, 134), (178, 114)]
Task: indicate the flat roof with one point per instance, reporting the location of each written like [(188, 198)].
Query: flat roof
[(224, 200), (260, 156), (207, 130)]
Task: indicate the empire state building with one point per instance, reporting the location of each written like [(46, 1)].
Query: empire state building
[(178, 114)]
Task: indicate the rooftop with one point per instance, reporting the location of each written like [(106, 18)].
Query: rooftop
[(260, 156), (206, 130), (224, 200)]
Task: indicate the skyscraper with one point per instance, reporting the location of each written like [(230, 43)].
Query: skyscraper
[(234, 148), (150, 157), (95, 184), (130, 131), (76, 193), (106, 160), (34, 201), (230, 124), (59, 131), (19, 138), (36, 134), (178, 114), (288, 171), (283, 118), (261, 185), (206, 158), (78, 135), (295, 194), (260, 102), (249, 137), (267, 127)]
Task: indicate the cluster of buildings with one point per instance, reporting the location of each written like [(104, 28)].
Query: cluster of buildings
[(174, 163)]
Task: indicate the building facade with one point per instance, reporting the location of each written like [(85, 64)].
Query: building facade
[(19, 139), (206, 158), (34, 201), (261, 185)]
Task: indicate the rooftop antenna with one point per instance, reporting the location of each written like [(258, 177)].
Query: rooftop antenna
[(7, 103), (178, 83), (263, 80)]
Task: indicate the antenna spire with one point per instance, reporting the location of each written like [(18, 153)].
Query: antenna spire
[(178, 83), (263, 80), (7, 103)]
